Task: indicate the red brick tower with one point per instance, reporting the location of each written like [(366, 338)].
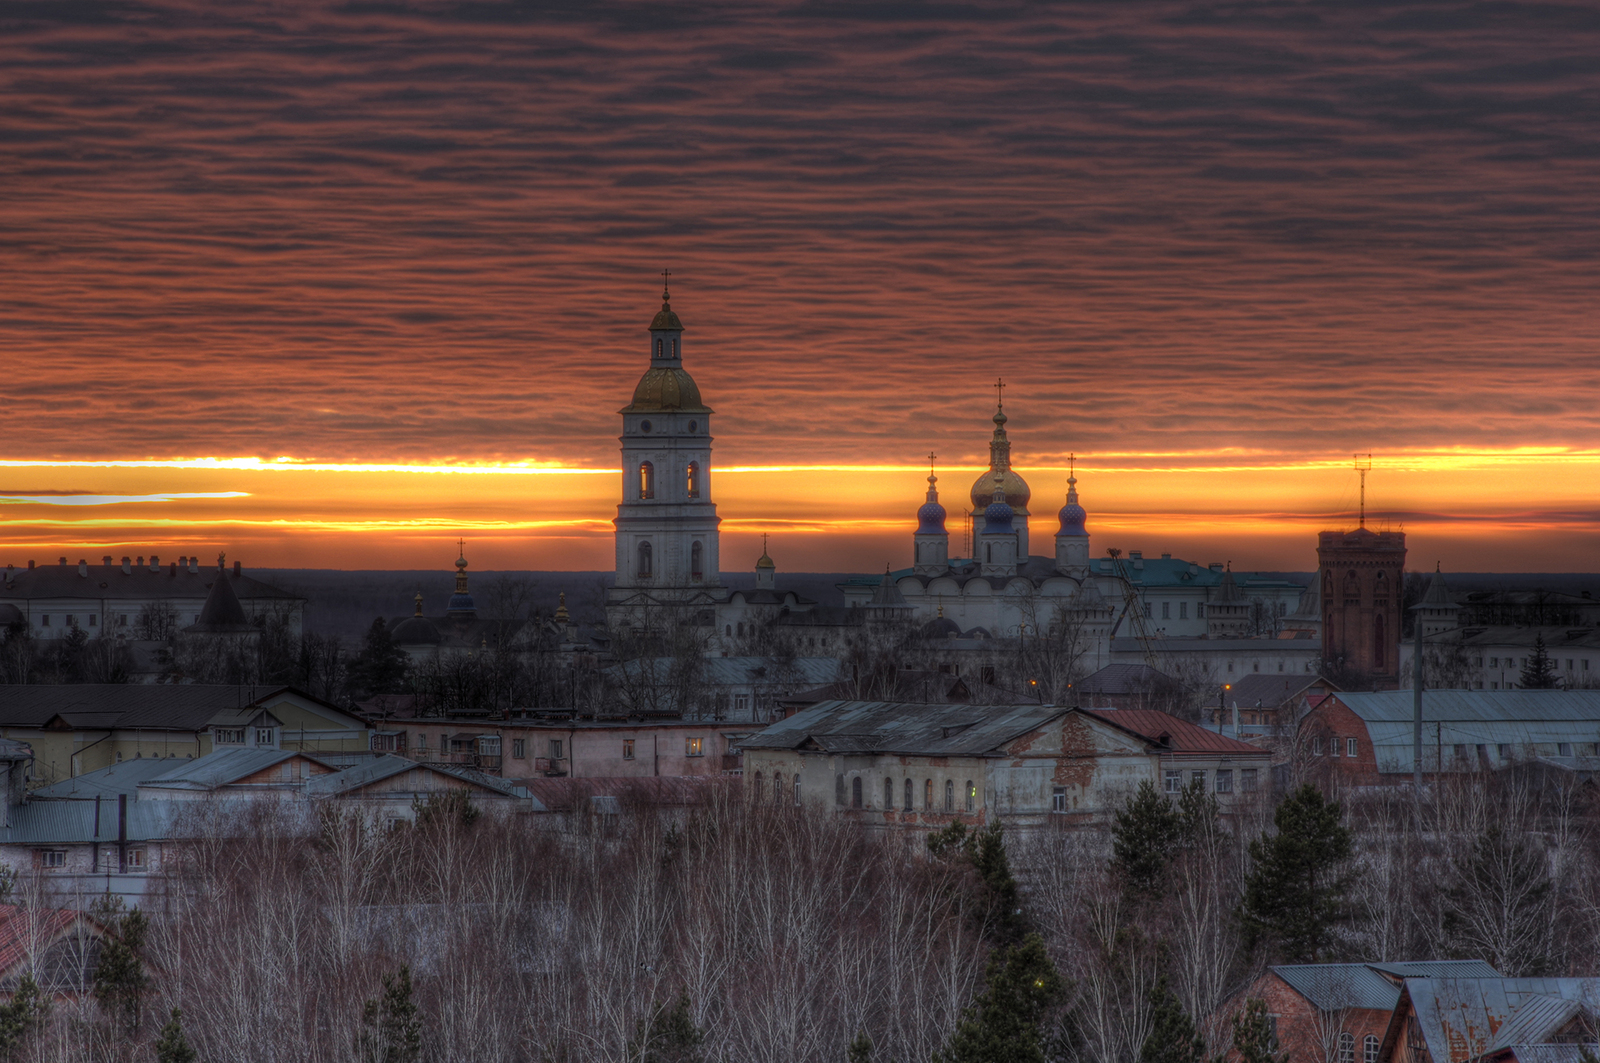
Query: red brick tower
[(1362, 576)]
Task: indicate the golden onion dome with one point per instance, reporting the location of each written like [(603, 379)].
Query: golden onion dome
[(666, 319), (662, 389), (1016, 489)]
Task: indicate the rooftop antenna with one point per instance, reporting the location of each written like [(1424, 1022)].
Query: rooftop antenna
[(1363, 466)]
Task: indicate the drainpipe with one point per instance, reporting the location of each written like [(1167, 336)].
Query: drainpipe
[(122, 834), (1416, 709)]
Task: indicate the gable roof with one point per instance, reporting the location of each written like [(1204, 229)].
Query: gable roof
[(1487, 706), (1374, 986), (219, 769), (1463, 1019), (124, 778), (1180, 736), (25, 932), (140, 706), (1272, 690), (904, 727), (385, 767), (1124, 678)]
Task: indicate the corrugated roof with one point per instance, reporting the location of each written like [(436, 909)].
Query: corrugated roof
[(1125, 679), (1336, 986), (176, 707), (1562, 1053), (903, 727), (1535, 1022), (1460, 1017), (219, 769), (73, 822), (384, 767), (1521, 719), (1485, 706), (1182, 737), (121, 778), (1438, 969)]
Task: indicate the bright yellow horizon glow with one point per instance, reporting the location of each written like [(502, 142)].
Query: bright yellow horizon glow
[(1521, 508)]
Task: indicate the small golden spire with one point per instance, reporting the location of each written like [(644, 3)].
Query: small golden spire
[(666, 293), (561, 609), (418, 600)]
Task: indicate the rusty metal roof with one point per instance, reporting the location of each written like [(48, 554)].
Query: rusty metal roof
[(1172, 734), (904, 727), (1463, 1019)]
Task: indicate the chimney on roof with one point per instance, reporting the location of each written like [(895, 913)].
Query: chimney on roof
[(173, 571), (30, 564), (105, 559), (194, 564), (83, 568), (11, 572), (183, 560), (236, 569), (141, 561), (127, 566), (63, 562), (155, 563)]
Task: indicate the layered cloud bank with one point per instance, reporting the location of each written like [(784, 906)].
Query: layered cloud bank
[(1191, 236)]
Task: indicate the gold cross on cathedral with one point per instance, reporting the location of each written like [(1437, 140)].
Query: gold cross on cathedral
[(665, 276), (461, 548), (931, 457), (999, 393)]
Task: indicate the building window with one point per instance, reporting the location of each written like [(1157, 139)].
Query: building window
[(1166, 610), (93, 617), (741, 703), (555, 749), (1504, 751), (855, 792), (1247, 780), (972, 797), (645, 561), (1316, 747), (647, 480), (888, 795), (1058, 799), (1347, 1047), (1564, 749), (1174, 782), (949, 795), (45, 620), (422, 742), (385, 743), (489, 745), (1183, 610), (797, 790), (693, 485), (263, 736), (697, 561), (909, 795), (135, 860), (1369, 1049), (927, 795), (519, 749), (1350, 744), (228, 736), (777, 787), (1224, 781), (627, 749), (694, 747), (658, 348), (838, 789), (1197, 779), (52, 858), (755, 787)]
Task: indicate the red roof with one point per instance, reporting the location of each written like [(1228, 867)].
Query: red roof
[(25, 931), (1183, 737)]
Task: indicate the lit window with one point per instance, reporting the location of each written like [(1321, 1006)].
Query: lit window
[(693, 486), (972, 797), (135, 859), (694, 747), (647, 480), (627, 749)]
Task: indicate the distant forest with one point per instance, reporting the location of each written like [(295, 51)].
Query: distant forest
[(344, 603)]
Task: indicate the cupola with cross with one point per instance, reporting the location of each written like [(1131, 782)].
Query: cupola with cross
[(931, 543), (1017, 492), (666, 522)]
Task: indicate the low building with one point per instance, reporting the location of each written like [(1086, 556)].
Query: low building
[(901, 764), (81, 727), (132, 600), (1365, 739), (1129, 686), (58, 947), (1445, 1019), (1263, 703), (1492, 658), (1339, 1012)]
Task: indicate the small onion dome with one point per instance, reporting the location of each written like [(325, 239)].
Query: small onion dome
[(665, 318), (461, 603), (930, 519), (662, 388), (997, 519), (1072, 514), (765, 561)]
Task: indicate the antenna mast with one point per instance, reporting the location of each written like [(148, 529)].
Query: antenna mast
[(1363, 466)]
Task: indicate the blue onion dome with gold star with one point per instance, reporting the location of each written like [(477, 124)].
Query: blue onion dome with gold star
[(930, 517), (997, 517), (1016, 488), (461, 603), (1072, 514)]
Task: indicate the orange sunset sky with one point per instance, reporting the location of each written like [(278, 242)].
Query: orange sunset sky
[(330, 285)]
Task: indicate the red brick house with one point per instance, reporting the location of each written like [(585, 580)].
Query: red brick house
[(1340, 1012), (1443, 1019)]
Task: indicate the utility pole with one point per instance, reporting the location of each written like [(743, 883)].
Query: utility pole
[(1416, 701)]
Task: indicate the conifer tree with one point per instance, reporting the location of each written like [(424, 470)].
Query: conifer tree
[(1143, 840), (173, 1046), (670, 1036), (119, 978), (860, 1049), (26, 1007), (392, 1024), (1253, 1038), (1539, 673), (1295, 892), (380, 666), (1172, 1037), (1005, 1024), (985, 850)]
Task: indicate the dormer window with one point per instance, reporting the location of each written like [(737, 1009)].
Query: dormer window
[(264, 736), (228, 736)]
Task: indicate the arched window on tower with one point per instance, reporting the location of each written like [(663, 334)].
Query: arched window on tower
[(1379, 637), (693, 485), (855, 792), (658, 348), (647, 480), (697, 554), (1352, 589), (908, 795), (645, 559), (674, 346)]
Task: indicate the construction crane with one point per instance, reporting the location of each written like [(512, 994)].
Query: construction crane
[(1132, 609)]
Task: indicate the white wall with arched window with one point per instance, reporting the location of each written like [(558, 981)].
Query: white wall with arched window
[(647, 480)]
